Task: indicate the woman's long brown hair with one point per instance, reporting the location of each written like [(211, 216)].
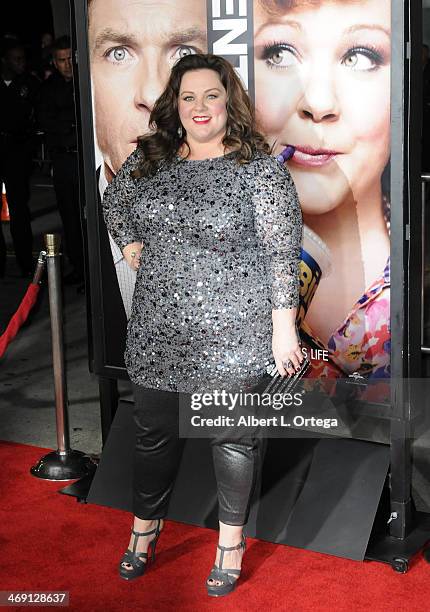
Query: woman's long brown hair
[(164, 141)]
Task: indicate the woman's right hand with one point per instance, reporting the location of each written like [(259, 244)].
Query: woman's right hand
[(132, 254)]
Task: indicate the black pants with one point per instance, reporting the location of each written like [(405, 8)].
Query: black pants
[(66, 185), (15, 172), (158, 453)]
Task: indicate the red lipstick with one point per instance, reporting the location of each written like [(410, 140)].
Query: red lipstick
[(201, 120)]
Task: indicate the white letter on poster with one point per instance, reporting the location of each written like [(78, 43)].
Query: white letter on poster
[(236, 28)]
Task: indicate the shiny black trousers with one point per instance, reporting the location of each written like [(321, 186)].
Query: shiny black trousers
[(158, 453)]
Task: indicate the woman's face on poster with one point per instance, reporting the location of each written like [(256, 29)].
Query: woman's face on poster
[(322, 77)]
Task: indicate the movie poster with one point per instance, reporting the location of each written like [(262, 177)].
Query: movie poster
[(319, 74)]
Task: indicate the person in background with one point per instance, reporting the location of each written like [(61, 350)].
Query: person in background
[(56, 117), (43, 65), (18, 92)]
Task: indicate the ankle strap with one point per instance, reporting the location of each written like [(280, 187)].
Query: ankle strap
[(144, 533), (237, 547)]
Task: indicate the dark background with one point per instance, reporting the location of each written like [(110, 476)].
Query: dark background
[(27, 19)]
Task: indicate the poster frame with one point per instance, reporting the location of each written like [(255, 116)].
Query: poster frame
[(404, 189)]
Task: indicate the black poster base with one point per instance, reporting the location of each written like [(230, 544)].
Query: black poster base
[(336, 509), (79, 488), (316, 493), (398, 553)]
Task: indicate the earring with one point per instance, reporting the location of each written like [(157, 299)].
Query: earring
[(180, 132)]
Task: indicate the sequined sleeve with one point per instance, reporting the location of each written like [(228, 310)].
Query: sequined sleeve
[(278, 224), (117, 200)]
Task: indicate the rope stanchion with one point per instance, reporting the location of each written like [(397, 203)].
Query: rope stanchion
[(64, 463), (27, 303)]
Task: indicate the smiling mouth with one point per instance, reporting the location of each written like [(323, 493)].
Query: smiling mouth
[(201, 119), (308, 156)]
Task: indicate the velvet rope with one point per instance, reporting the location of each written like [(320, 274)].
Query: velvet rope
[(19, 317)]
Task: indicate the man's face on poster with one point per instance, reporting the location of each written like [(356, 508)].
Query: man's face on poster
[(133, 46)]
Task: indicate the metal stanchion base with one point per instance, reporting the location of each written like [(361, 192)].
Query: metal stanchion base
[(68, 466)]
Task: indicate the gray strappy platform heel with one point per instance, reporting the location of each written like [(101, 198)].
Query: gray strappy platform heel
[(225, 576), (135, 559)]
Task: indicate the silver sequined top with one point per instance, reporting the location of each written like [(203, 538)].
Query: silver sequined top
[(221, 250)]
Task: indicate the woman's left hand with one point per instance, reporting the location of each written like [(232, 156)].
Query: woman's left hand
[(286, 350), (132, 253)]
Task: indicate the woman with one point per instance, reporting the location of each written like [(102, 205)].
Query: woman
[(221, 227), (329, 63)]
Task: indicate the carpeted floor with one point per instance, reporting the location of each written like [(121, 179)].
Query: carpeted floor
[(50, 542)]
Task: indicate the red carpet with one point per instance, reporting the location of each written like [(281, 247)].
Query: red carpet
[(50, 542)]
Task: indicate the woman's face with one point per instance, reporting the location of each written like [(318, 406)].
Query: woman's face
[(202, 106), (323, 85)]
